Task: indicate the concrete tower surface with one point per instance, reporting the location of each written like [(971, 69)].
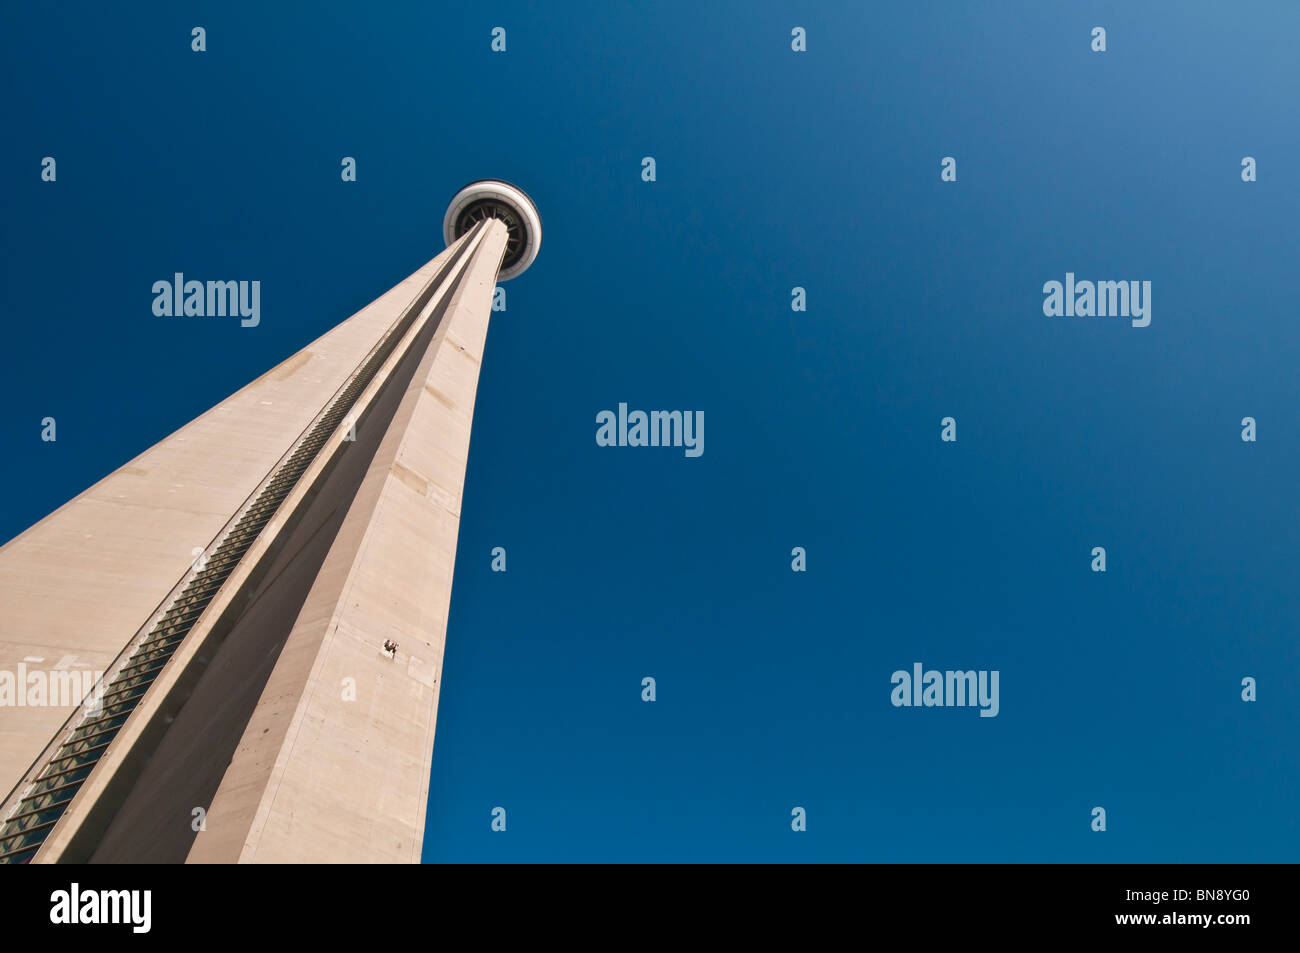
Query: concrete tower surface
[(238, 585)]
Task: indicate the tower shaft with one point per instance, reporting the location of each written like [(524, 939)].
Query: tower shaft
[(250, 712)]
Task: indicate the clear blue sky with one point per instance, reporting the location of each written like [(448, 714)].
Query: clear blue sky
[(775, 169)]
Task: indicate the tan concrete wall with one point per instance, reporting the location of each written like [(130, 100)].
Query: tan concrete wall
[(81, 581), (317, 777), (152, 821)]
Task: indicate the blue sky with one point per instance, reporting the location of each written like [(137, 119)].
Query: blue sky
[(775, 169)]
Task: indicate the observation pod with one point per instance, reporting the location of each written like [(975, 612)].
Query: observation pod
[(494, 198)]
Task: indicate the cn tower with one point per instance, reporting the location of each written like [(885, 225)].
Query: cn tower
[(266, 592)]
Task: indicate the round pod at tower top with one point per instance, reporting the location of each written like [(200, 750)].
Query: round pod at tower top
[(493, 198)]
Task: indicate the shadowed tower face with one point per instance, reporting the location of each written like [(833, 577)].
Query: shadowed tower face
[(240, 584)]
